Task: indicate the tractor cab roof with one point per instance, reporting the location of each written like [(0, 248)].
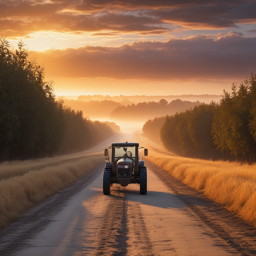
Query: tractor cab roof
[(123, 144)]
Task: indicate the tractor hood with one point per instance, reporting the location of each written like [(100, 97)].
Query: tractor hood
[(124, 161)]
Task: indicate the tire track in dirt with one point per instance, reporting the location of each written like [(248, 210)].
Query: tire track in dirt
[(123, 231), (112, 237), (239, 235), (139, 242), (35, 220)]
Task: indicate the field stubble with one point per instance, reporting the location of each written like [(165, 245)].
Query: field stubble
[(25, 187), (233, 185)]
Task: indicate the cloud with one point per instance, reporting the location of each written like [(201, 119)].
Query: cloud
[(216, 16), (145, 17), (149, 4), (202, 57), (68, 22), (252, 31), (202, 16), (27, 9)]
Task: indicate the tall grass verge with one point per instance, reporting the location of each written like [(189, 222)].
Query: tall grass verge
[(233, 185), (17, 168), (21, 193)]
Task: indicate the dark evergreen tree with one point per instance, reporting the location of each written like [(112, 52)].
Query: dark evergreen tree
[(31, 123)]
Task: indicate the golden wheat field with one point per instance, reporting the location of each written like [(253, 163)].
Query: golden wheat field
[(233, 185), (25, 185)]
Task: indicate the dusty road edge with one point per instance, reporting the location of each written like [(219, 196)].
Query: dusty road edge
[(33, 221), (238, 234)]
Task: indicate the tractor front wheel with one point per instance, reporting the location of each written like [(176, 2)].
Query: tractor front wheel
[(106, 182), (143, 180)]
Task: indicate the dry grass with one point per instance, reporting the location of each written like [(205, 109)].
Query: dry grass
[(26, 189), (233, 185), (17, 168)]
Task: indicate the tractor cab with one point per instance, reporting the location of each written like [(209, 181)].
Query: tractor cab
[(125, 167)]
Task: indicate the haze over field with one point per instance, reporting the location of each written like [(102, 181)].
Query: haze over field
[(130, 99), (136, 47), (83, 77)]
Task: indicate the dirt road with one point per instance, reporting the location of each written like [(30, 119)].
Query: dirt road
[(171, 219), (82, 221)]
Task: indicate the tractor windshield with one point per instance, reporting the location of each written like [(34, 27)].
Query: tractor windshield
[(128, 151)]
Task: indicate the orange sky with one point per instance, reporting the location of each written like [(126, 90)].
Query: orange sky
[(136, 47)]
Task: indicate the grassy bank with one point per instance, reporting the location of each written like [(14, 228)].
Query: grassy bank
[(22, 192), (233, 185)]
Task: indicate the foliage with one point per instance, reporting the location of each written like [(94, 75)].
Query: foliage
[(175, 134), (83, 133), (233, 127), (199, 129), (77, 135), (225, 130), (99, 131), (148, 110), (31, 122), (151, 128)]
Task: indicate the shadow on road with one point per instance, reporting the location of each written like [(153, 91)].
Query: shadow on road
[(153, 198)]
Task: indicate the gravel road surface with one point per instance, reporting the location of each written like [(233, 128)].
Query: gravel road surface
[(172, 219), (80, 220)]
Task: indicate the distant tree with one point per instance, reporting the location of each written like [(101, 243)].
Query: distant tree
[(82, 133), (168, 134), (149, 110), (187, 147), (77, 135), (252, 120), (31, 123), (234, 124), (199, 129), (226, 130), (151, 129)]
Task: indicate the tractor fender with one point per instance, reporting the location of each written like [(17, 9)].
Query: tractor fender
[(108, 165), (141, 163)]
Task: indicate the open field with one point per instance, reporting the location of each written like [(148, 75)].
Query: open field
[(32, 182), (231, 184)]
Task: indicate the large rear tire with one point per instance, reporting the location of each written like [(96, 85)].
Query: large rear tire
[(106, 182), (143, 180)]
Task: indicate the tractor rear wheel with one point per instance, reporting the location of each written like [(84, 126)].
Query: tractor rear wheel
[(106, 182), (143, 180)]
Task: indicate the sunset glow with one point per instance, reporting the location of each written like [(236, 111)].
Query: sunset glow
[(133, 47), (128, 127)]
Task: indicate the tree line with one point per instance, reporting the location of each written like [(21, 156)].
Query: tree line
[(128, 111), (224, 130), (135, 99), (146, 110), (94, 108), (151, 129), (32, 122)]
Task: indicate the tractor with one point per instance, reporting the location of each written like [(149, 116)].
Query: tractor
[(123, 167)]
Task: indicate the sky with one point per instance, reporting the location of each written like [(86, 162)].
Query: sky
[(133, 47)]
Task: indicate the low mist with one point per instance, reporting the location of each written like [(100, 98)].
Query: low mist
[(125, 126)]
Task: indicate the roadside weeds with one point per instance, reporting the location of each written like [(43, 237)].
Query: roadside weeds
[(233, 185), (22, 192)]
